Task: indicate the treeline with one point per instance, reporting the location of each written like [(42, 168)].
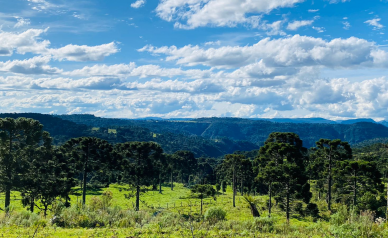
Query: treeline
[(238, 129), (61, 130), (283, 169)]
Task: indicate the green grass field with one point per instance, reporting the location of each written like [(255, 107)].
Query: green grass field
[(162, 217)]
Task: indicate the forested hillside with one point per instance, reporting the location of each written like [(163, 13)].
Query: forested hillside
[(254, 131), (62, 130)]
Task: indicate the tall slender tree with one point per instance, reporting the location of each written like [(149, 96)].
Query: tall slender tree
[(90, 154), (280, 165), (138, 161), (231, 165), (327, 155), (16, 135)]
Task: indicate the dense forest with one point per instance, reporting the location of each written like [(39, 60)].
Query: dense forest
[(253, 131)]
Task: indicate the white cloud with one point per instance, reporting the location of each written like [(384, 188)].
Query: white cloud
[(319, 29), (41, 5), (337, 1), (191, 14), (293, 51), (29, 42), (375, 23), (346, 25), (313, 10), (21, 22), (84, 52), (293, 26), (36, 65), (138, 4)]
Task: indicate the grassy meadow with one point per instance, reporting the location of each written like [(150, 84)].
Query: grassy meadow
[(177, 214)]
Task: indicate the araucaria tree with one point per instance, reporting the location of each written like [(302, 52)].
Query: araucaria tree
[(203, 191), (16, 135), (353, 179), (327, 156), (138, 162), (231, 167), (49, 174), (90, 154), (281, 167)]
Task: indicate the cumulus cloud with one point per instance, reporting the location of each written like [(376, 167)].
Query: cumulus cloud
[(293, 26), (29, 42), (84, 52), (199, 13), (36, 65), (375, 23), (25, 42), (313, 10), (293, 51), (138, 4)]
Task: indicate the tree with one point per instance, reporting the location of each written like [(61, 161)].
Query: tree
[(138, 161), (218, 187), (357, 177), (224, 185), (173, 165), (280, 165), (203, 191), (49, 175), (90, 154), (231, 165), (187, 163), (15, 136), (327, 154), (245, 174)]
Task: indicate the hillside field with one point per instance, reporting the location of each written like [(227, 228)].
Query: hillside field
[(167, 215)]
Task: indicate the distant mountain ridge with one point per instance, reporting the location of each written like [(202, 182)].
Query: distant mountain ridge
[(254, 131)]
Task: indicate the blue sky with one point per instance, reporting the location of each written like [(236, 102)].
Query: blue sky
[(195, 58)]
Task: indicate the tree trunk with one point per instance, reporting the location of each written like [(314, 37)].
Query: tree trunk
[(84, 177), (137, 197), (201, 205), (288, 205), (355, 190), (32, 204), (242, 187), (234, 187), (160, 184), (84, 186), (329, 187), (7, 198), (386, 216), (172, 183), (270, 200)]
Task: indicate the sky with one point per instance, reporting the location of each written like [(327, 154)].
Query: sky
[(195, 58)]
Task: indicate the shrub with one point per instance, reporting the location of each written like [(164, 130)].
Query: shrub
[(215, 214), (264, 224), (312, 210)]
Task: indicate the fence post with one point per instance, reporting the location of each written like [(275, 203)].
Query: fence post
[(167, 205)]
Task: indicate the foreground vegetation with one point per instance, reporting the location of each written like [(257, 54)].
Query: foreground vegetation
[(92, 188), (108, 213)]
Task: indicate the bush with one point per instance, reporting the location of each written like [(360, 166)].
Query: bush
[(215, 214), (312, 210), (264, 224)]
